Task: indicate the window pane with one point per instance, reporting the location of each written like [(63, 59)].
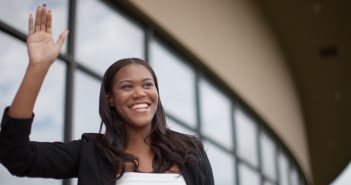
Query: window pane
[(267, 183), (215, 114), (294, 177), (86, 105), (268, 149), (176, 83), (222, 165), (283, 164), (248, 176), (16, 12), (48, 122), (104, 36), (178, 128), (246, 132)]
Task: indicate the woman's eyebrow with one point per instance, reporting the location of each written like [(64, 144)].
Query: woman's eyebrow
[(124, 81), (131, 81), (147, 79)]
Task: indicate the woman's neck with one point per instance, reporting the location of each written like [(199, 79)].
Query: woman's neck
[(138, 140), (138, 144)]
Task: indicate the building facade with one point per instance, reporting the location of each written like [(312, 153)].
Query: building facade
[(245, 143)]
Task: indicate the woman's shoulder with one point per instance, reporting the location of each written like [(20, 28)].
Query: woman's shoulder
[(183, 136), (90, 136)]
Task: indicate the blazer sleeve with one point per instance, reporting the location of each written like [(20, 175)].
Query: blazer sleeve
[(35, 159)]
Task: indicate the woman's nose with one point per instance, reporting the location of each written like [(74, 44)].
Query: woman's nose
[(139, 93)]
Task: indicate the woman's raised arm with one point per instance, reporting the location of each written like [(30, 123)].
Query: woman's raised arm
[(42, 52)]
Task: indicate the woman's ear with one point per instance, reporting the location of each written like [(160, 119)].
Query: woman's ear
[(110, 100)]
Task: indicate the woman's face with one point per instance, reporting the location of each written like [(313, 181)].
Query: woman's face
[(134, 95)]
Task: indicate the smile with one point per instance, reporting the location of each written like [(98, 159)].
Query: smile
[(142, 107)]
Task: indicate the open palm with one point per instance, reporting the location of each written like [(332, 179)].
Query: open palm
[(42, 49)]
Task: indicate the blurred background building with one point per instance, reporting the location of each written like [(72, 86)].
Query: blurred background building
[(264, 84)]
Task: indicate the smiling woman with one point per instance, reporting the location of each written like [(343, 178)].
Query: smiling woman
[(136, 136)]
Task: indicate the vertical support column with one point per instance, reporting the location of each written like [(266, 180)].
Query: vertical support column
[(259, 152), (234, 106), (197, 103), (148, 37), (68, 112)]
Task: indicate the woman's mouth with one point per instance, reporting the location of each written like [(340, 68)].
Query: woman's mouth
[(142, 107)]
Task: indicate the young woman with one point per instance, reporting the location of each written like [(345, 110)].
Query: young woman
[(137, 147)]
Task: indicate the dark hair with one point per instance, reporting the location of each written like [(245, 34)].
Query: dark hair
[(170, 147)]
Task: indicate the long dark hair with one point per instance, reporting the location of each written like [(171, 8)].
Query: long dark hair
[(170, 147)]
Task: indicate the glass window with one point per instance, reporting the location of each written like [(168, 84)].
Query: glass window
[(283, 165), (176, 83), (248, 176), (16, 13), (215, 114), (48, 122), (222, 165), (104, 36), (268, 149), (86, 105), (267, 183), (177, 127), (246, 132), (294, 177), (13, 63)]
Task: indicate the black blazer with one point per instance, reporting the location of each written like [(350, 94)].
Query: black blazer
[(78, 158)]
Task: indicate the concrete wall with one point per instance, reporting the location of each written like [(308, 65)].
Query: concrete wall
[(235, 41)]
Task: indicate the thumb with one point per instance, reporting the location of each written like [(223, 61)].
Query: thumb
[(62, 38)]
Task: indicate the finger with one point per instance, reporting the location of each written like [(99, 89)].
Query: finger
[(37, 19), (43, 19), (30, 25), (49, 22), (62, 38)]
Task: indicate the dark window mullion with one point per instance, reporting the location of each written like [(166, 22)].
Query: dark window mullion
[(277, 167), (197, 102), (259, 152), (147, 42), (68, 107), (235, 145)]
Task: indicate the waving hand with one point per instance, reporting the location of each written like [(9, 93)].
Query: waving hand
[(42, 50)]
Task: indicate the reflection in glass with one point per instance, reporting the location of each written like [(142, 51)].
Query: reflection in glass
[(176, 83), (246, 132), (86, 105), (222, 165), (104, 36), (283, 165), (48, 122), (248, 176), (16, 12), (268, 150), (178, 128), (215, 114), (294, 177), (267, 183)]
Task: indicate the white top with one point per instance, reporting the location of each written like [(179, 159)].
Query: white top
[(135, 178)]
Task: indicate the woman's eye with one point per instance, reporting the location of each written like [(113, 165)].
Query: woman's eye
[(126, 87), (148, 85)]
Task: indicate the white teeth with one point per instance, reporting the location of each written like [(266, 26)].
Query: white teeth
[(140, 107)]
